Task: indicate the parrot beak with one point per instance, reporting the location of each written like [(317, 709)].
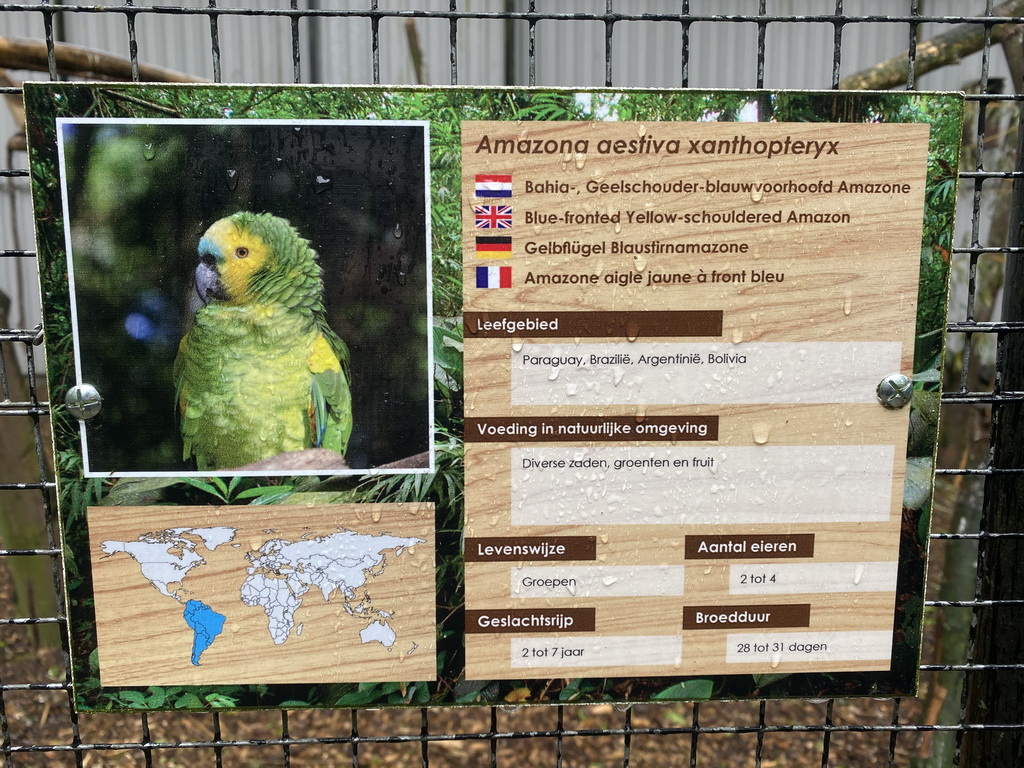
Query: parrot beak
[(208, 282)]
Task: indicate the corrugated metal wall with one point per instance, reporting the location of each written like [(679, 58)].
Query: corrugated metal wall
[(339, 50)]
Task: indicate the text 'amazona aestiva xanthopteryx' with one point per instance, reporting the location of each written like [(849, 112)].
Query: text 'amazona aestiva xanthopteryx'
[(260, 372)]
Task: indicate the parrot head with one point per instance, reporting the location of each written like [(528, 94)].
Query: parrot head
[(248, 257)]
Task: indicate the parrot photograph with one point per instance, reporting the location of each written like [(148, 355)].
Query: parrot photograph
[(260, 372), (251, 296)]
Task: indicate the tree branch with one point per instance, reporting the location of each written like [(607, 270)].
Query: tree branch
[(949, 48), (1013, 49), (18, 53)]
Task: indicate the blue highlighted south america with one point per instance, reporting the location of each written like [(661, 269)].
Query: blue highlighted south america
[(275, 576), (206, 623)]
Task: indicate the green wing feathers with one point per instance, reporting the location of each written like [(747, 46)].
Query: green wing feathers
[(330, 397)]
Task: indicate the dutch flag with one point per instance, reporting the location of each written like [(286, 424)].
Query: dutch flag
[(494, 277), (493, 185)]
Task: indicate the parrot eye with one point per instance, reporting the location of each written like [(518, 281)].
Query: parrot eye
[(241, 253)]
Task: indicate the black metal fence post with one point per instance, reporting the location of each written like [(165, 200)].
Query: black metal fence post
[(996, 694)]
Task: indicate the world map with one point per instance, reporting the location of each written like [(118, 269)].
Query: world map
[(277, 576)]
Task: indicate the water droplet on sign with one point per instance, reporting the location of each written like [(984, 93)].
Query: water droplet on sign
[(149, 150), (398, 230), (231, 176), (641, 129), (321, 183), (761, 432)]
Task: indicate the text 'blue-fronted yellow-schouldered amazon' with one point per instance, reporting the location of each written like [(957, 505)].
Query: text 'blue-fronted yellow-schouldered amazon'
[(260, 372)]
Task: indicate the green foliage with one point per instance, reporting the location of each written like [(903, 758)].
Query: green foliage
[(475, 691), (581, 690), (679, 106), (917, 488), (448, 372), (765, 680), (687, 690)]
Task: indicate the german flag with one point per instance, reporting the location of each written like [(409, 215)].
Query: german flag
[(494, 247)]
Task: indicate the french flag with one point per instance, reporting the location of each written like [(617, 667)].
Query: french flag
[(493, 185), (494, 277)]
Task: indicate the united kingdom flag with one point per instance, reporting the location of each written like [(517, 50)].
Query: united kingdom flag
[(493, 216)]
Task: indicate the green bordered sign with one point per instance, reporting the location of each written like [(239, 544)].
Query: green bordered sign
[(370, 397)]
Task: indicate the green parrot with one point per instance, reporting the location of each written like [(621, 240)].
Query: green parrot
[(260, 372)]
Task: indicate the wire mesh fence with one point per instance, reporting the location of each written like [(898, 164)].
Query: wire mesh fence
[(972, 668)]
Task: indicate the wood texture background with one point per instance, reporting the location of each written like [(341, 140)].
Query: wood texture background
[(843, 283)]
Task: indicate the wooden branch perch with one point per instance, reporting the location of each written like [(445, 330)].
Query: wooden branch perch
[(318, 458), (18, 53), (948, 48)]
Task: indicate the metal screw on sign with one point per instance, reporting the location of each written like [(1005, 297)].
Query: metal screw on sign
[(895, 390), (83, 401)]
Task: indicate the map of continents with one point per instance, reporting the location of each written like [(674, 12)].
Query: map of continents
[(165, 559), (282, 572), (271, 572)]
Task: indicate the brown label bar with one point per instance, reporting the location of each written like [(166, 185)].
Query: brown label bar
[(563, 429), (746, 547), (502, 549), (529, 620), (742, 616), (560, 325)]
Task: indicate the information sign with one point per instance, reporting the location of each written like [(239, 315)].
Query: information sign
[(408, 397), (679, 359)]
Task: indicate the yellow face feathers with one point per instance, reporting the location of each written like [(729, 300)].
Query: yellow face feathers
[(238, 253)]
